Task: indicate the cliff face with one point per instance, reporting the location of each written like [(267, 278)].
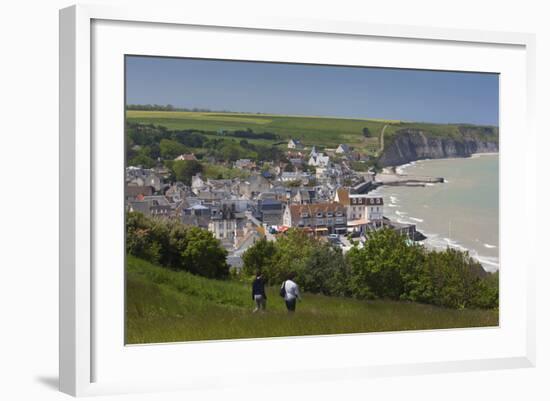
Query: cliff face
[(410, 145)]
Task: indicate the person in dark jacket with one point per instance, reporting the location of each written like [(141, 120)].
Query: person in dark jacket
[(258, 292)]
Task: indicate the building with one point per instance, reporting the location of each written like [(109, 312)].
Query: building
[(154, 206), (342, 149), (295, 144), (197, 215), (186, 156), (319, 218), (361, 206), (197, 183), (313, 152), (253, 186), (304, 196), (270, 212), (223, 224), (134, 191), (295, 176), (143, 178), (245, 164), (320, 160)]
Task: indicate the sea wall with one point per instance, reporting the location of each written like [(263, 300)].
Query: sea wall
[(411, 145)]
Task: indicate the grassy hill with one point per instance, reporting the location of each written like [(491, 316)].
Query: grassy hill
[(167, 306), (320, 131)]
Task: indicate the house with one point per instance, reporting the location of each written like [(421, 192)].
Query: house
[(313, 152), (154, 206), (296, 162), (134, 191), (245, 164), (361, 206), (270, 211), (189, 156), (253, 186), (197, 183), (320, 160), (143, 178), (280, 193), (223, 224), (304, 196), (287, 176), (295, 144), (342, 149), (319, 218), (175, 193), (197, 215)]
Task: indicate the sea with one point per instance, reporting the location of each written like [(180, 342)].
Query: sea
[(461, 213)]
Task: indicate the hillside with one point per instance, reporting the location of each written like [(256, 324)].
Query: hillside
[(319, 131), (166, 306)]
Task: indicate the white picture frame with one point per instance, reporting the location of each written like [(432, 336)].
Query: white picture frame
[(86, 346)]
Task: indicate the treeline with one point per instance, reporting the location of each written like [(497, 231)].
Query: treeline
[(169, 107), (171, 244), (145, 144), (250, 134), (387, 267)]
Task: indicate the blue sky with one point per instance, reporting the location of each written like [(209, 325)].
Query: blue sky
[(297, 89)]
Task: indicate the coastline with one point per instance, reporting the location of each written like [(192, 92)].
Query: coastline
[(481, 249)]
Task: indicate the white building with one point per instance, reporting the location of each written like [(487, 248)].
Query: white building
[(361, 206), (320, 160), (295, 144), (295, 176), (342, 149)]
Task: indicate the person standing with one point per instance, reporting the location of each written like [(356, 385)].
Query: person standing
[(258, 292), (291, 292)]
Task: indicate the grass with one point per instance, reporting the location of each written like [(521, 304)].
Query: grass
[(311, 130), (167, 306)]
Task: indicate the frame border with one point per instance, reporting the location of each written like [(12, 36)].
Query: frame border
[(75, 175)]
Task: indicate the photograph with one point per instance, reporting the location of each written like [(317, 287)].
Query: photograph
[(274, 199)]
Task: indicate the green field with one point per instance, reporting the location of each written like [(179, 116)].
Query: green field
[(320, 131), (167, 306)]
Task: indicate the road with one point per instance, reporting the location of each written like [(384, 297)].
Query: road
[(382, 138)]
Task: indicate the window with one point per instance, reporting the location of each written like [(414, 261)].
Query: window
[(319, 214)]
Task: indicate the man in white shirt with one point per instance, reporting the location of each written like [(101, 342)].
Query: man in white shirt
[(292, 293)]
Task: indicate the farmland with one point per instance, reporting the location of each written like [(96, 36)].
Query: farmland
[(164, 306), (324, 132), (318, 131)]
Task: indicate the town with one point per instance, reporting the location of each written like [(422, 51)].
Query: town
[(315, 191)]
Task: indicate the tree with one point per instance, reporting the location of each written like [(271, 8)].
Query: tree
[(184, 170), (141, 160), (325, 270), (258, 257), (230, 151), (366, 132), (383, 266), (170, 149), (171, 244), (202, 254)]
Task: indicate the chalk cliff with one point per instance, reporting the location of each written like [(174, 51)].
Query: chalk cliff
[(411, 144)]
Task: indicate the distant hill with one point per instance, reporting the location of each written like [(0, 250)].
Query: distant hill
[(327, 132)]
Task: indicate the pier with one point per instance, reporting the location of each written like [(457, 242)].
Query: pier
[(407, 180)]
